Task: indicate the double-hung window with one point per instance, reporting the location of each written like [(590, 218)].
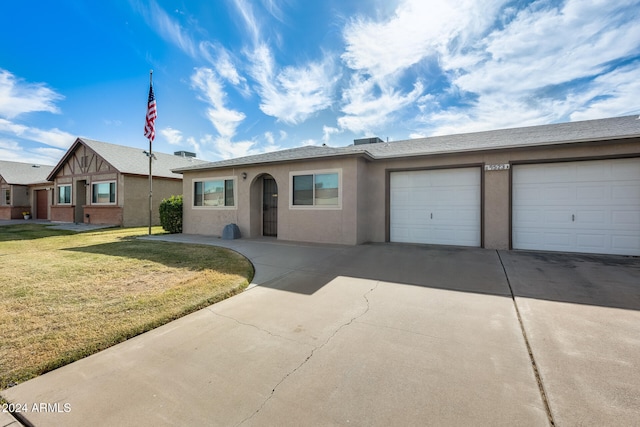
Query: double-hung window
[(103, 193), (316, 189), (64, 194), (214, 193)]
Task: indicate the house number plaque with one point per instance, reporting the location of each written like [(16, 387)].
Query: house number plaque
[(502, 167)]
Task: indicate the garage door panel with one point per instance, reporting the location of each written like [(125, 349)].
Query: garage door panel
[(442, 207), (592, 172), (558, 193), (596, 242), (623, 194), (561, 241), (624, 243), (593, 218), (527, 216), (557, 218), (590, 206), (626, 169), (629, 219), (587, 193)]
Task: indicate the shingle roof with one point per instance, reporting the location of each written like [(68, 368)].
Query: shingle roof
[(16, 173), (561, 133), (132, 161), (299, 153)]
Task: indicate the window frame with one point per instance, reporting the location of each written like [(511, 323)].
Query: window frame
[(115, 193), (314, 173), (224, 180), (58, 202), (5, 196)]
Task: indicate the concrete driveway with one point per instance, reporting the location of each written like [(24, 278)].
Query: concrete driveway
[(375, 335)]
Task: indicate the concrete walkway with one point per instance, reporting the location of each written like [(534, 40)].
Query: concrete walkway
[(72, 226), (375, 335)]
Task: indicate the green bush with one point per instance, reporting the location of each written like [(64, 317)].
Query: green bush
[(171, 214)]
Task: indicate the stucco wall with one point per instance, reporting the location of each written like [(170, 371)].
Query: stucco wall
[(332, 225), (364, 216), (496, 184)]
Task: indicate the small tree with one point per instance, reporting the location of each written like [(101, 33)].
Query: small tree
[(171, 214)]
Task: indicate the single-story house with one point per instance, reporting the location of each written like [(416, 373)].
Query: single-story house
[(24, 188), (100, 183), (561, 187)]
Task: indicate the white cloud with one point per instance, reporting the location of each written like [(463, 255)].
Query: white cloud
[(622, 89), (223, 148), (251, 25), (418, 29), (381, 53), (367, 110), (224, 64), (269, 137), (173, 136), (52, 137), (293, 94), (18, 97), (11, 150), (545, 64), (170, 30), (225, 120), (550, 47), (327, 132)]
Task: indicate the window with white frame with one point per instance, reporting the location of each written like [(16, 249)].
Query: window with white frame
[(319, 189), (64, 194), (6, 196), (103, 193), (214, 193)]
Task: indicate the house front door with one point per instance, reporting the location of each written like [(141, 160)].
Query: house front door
[(81, 200), (42, 202), (269, 207)]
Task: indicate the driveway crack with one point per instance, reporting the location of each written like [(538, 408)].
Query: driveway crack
[(266, 331), (313, 351), (536, 371)]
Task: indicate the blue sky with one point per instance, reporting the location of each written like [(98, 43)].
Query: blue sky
[(238, 77)]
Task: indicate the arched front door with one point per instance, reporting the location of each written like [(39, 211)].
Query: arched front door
[(269, 206)]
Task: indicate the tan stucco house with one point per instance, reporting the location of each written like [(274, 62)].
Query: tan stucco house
[(100, 183), (24, 188), (562, 187)]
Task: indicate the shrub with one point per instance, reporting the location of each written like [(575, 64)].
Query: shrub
[(171, 214)]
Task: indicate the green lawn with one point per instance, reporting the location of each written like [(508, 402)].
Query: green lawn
[(66, 295)]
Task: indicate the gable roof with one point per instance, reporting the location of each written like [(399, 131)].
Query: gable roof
[(16, 173), (130, 160), (561, 133)]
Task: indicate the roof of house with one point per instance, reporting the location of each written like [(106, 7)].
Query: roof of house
[(129, 160), (16, 173), (560, 133)]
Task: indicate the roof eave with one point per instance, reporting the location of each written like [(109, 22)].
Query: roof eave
[(205, 167), (506, 147)]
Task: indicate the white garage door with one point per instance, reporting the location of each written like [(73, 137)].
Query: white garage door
[(436, 207), (591, 206)]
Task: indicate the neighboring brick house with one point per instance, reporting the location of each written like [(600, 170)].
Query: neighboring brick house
[(100, 183), (571, 187), (24, 188)]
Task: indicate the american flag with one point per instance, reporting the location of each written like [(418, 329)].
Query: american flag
[(152, 113)]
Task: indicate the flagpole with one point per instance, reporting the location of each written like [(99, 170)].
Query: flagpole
[(150, 171)]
